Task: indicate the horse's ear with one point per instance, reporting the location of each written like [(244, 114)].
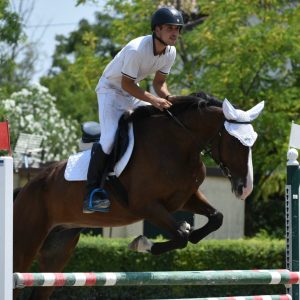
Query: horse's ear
[(229, 111), (256, 110)]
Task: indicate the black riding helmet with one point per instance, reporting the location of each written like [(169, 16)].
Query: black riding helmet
[(166, 15)]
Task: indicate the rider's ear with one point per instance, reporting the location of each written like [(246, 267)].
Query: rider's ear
[(256, 110)]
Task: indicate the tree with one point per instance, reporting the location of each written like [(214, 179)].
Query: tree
[(33, 110), (17, 55), (10, 34), (78, 61)]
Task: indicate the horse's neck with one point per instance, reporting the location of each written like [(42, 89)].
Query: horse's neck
[(205, 124), (196, 130)]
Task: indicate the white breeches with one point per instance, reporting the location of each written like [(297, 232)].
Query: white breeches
[(112, 104)]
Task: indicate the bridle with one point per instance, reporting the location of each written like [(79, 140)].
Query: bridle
[(218, 160), (208, 148)]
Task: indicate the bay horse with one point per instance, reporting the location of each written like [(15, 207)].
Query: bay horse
[(163, 176)]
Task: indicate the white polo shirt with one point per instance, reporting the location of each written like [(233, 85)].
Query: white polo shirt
[(136, 61)]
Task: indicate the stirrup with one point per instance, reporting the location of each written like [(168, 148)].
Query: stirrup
[(103, 198)]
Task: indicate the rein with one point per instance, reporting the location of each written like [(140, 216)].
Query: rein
[(219, 133), (180, 123)]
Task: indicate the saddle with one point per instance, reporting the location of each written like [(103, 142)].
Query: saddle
[(91, 132)]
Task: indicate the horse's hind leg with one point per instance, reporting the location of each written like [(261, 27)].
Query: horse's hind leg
[(54, 255), (199, 204)]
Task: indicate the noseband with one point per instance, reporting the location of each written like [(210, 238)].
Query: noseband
[(208, 148)]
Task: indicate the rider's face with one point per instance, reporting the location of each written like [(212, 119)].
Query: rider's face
[(168, 33)]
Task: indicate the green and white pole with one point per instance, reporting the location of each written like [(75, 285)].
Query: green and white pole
[(292, 196)]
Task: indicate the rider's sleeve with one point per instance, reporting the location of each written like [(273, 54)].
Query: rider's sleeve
[(169, 61), (131, 65)]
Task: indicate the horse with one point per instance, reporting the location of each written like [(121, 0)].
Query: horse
[(162, 176)]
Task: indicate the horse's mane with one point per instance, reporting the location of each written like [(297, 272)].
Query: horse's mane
[(181, 103)]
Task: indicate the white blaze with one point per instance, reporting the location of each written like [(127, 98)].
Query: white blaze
[(249, 183)]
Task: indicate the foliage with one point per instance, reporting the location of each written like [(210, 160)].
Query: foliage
[(2, 114), (112, 255), (248, 52), (33, 110), (17, 55), (10, 34), (78, 62)]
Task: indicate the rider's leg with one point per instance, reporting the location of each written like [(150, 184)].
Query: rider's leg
[(111, 107), (96, 198)]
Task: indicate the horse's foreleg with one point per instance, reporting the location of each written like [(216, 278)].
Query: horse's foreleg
[(54, 255), (159, 216), (199, 204)]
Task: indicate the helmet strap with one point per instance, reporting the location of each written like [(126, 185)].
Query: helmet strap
[(159, 39)]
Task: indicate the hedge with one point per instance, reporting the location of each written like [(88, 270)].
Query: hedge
[(112, 255)]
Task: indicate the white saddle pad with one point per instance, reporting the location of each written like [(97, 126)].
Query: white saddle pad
[(78, 163)]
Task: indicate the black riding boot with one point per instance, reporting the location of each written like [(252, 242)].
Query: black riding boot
[(96, 198)]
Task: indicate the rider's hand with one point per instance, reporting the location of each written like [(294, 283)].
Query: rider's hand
[(161, 103)]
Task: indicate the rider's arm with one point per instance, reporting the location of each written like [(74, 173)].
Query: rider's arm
[(133, 89), (160, 85)]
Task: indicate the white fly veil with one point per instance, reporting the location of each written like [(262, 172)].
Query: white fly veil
[(239, 128)]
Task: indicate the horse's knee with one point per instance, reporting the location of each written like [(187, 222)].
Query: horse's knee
[(215, 220)]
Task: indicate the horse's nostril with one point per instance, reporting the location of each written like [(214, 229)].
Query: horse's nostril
[(240, 189)]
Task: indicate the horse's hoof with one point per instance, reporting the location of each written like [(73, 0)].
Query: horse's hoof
[(140, 244)]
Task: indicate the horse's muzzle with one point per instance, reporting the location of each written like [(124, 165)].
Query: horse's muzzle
[(241, 189)]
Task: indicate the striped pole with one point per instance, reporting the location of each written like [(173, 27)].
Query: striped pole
[(292, 217), (262, 297), (6, 225), (239, 277)]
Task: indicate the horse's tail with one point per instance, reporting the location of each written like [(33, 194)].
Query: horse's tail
[(16, 192)]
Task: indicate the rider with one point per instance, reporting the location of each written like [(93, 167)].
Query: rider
[(118, 91)]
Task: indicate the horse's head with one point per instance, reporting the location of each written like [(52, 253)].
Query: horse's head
[(232, 149)]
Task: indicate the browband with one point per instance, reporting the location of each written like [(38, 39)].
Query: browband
[(237, 122)]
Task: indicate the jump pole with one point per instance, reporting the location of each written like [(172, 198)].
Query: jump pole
[(6, 227), (238, 277)]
